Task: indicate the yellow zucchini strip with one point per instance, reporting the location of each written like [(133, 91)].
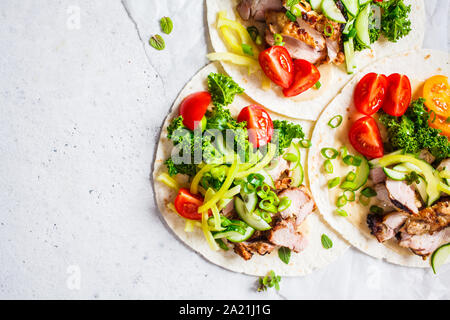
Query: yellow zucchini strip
[(168, 181), (264, 162), (198, 177)]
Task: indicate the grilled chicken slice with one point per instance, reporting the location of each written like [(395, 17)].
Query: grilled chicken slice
[(280, 167), (255, 9), (377, 175), (429, 220), (247, 249), (302, 204), (445, 164), (284, 234), (424, 244), (402, 196), (385, 227)]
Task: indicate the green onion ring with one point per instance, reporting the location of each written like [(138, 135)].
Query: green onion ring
[(325, 154), (341, 201), (328, 32), (328, 166), (368, 192), (342, 212), (352, 160), (334, 182), (351, 176), (376, 210), (349, 195), (305, 144), (336, 124)]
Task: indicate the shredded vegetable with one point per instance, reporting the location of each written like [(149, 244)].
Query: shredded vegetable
[(199, 176), (239, 60), (271, 150), (168, 181)]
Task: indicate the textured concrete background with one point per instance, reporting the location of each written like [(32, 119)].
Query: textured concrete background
[(82, 99)]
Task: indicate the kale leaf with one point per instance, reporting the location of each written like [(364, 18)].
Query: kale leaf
[(284, 133), (223, 89), (412, 133), (394, 19)]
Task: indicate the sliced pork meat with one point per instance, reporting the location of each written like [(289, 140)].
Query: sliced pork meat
[(445, 164), (284, 234), (429, 220), (424, 244), (255, 9), (377, 175), (426, 156), (383, 196), (402, 195), (385, 227), (302, 204), (243, 250), (280, 167)]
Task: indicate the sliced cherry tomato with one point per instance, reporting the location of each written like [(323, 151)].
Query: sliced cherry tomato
[(436, 92), (276, 62), (259, 125), (193, 108), (398, 95), (370, 93), (365, 137), (306, 76), (440, 123), (187, 204)]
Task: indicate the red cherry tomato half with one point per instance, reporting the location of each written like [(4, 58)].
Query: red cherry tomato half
[(259, 125), (370, 93), (306, 76), (187, 204), (398, 95), (276, 62), (193, 108), (365, 137)]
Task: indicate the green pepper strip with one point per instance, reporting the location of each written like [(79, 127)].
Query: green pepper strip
[(199, 176), (226, 185), (264, 162)]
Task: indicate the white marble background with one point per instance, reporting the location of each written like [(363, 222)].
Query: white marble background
[(81, 105)]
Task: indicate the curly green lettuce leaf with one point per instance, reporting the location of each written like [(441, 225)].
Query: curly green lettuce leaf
[(223, 89), (284, 133), (394, 19)]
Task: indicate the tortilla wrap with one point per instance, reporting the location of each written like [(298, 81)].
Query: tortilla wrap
[(310, 104), (418, 66), (314, 257)]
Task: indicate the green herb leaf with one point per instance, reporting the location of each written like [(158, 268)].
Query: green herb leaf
[(166, 25), (223, 89), (284, 254), (157, 42), (284, 133), (326, 242), (269, 281), (394, 19)]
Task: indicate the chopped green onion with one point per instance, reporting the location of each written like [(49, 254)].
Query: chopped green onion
[(306, 143), (353, 160), (273, 196), (328, 166), (285, 203), (351, 176), (364, 200), (368, 192), (248, 188), (278, 39), (247, 49), (376, 210), (352, 33), (341, 201), (318, 85), (348, 185), (253, 32), (328, 30), (263, 192), (255, 179), (349, 195), (296, 11), (291, 16), (343, 151), (265, 215), (333, 182), (222, 244), (267, 205), (342, 212), (329, 153), (335, 121), (290, 157)]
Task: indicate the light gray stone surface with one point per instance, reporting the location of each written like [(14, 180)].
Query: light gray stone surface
[(82, 99)]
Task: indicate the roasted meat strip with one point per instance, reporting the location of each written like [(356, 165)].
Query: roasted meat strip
[(255, 9), (302, 204), (284, 234), (385, 227), (424, 244)]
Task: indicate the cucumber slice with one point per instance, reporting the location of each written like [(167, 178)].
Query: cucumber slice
[(401, 168), (348, 26), (297, 176), (352, 6), (349, 52), (362, 26), (252, 219), (421, 187), (363, 2), (267, 178), (316, 4), (250, 201), (362, 174), (440, 256), (394, 175), (331, 11), (235, 236)]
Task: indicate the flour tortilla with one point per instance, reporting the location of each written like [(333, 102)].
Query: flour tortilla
[(314, 257), (418, 66), (310, 104)]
